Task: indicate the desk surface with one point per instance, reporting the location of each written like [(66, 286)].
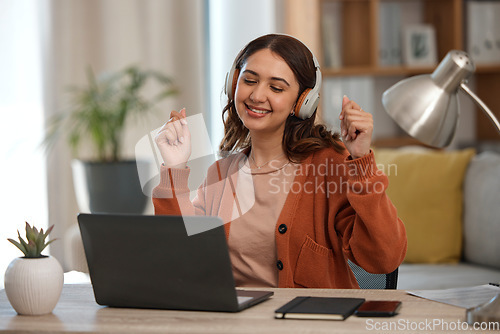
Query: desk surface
[(77, 311)]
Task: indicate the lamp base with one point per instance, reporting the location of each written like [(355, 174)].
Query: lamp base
[(487, 312)]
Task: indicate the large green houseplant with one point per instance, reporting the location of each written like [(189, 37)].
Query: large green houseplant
[(99, 113)]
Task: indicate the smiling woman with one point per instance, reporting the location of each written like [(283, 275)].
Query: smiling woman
[(290, 237), (23, 166)]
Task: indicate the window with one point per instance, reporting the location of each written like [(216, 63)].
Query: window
[(23, 179), (231, 25)]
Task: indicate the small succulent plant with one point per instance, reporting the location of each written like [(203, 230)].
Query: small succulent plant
[(35, 241)]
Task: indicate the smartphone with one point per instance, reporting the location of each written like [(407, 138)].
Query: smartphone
[(378, 308)]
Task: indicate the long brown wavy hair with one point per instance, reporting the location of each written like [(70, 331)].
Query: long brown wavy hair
[(301, 137)]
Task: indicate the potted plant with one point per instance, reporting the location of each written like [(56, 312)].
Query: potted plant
[(33, 283), (100, 111)]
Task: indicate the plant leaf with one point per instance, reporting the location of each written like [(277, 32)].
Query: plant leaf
[(21, 240), (49, 230), (32, 249), (36, 233), (30, 233), (40, 241), (44, 236), (18, 245), (48, 243)]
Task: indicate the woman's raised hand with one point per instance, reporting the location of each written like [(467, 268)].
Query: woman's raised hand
[(356, 126), (174, 140)]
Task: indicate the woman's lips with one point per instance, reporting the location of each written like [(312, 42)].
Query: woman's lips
[(256, 112)]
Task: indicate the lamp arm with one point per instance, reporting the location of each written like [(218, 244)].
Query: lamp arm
[(481, 105)]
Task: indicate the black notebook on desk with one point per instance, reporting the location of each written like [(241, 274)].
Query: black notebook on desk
[(321, 308)]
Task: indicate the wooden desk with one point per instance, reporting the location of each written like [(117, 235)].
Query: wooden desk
[(77, 311)]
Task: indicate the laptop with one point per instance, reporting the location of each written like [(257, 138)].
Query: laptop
[(142, 261)]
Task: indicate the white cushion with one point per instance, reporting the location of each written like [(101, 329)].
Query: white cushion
[(482, 210)]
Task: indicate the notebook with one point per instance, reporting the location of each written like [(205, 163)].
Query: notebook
[(321, 308), (152, 262)]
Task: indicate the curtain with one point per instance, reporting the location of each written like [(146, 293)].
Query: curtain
[(164, 35)]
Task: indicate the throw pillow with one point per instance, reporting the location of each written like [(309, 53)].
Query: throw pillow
[(482, 210), (426, 188)]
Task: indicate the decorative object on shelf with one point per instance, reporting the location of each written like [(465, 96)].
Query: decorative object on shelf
[(419, 45), (426, 106), (33, 283), (483, 31), (108, 182), (389, 47), (331, 27)]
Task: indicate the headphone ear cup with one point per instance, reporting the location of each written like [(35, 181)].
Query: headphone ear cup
[(228, 85), (298, 105), (308, 101), (236, 74), (231, 81), (306, 104)]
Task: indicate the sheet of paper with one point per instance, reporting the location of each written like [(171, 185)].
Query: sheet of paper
[(462, 297)]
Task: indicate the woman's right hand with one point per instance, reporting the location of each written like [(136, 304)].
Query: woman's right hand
[(174, 140)]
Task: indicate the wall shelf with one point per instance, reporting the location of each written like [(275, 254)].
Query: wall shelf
[(358, 43), (376, 71)]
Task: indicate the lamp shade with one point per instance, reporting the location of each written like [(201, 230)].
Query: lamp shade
[(426, 106)]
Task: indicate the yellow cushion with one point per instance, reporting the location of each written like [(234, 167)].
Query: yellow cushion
[(426, 188)]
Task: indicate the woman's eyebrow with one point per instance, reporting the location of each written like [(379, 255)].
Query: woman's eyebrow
[(272, 78)]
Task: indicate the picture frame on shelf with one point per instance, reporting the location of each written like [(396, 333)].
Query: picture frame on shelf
[(483, 32), (419, 45)]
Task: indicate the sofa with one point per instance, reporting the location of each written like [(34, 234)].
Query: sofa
[(450, 204)]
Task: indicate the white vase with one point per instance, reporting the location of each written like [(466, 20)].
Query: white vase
[(33, 285)]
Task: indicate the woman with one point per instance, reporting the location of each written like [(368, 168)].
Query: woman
[(309, 200)]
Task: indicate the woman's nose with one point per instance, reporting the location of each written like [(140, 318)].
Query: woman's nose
[(258, 94)]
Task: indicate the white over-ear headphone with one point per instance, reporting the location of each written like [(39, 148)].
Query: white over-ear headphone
[(306, 103)]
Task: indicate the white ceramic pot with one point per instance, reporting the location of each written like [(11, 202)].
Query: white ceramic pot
[(33, 285)]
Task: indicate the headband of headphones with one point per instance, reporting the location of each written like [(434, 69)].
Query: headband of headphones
[(306, 103)]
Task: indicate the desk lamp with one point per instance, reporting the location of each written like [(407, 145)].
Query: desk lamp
[(426, 107)]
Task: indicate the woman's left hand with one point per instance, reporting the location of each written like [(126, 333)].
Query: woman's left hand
[(356, 126)]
